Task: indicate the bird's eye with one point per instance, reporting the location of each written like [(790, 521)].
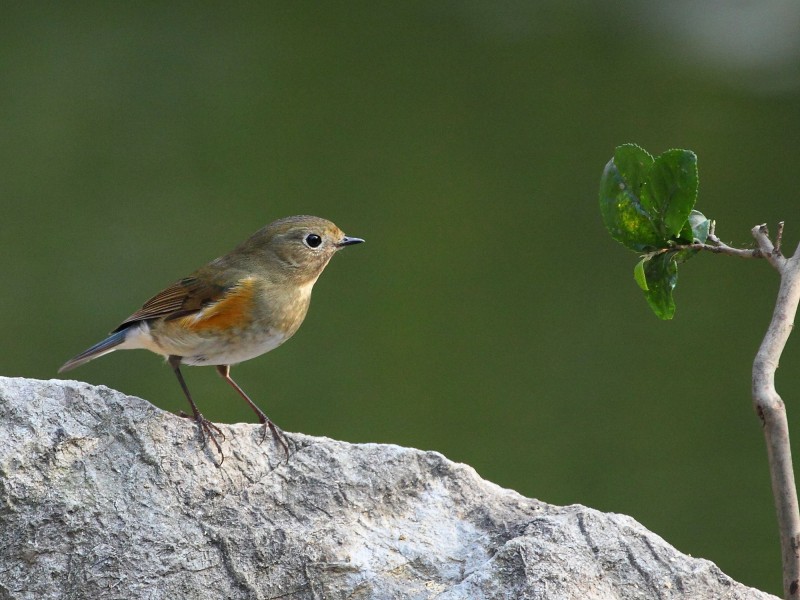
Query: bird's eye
[(313, 240)]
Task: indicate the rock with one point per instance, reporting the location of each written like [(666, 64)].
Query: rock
[(103, 495)]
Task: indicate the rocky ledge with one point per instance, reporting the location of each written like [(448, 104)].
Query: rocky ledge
[(103, 495)]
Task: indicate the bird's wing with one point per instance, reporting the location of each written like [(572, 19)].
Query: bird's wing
[(182, 298)]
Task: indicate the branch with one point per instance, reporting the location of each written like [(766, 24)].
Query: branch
[(717, 246), (770, 407)]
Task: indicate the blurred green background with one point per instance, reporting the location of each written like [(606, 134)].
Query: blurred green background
[(489, 316)]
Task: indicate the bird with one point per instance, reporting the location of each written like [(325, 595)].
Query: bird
[(235, 308)]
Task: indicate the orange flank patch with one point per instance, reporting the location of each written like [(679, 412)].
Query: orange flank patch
[(232, 311)]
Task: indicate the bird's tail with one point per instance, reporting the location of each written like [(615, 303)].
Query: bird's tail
[(99, 349)]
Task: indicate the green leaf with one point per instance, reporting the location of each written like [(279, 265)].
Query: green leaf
[(694, 231), (670, 191), (700, 226), (633, 163), (638, 274), (620, 205), (661, 273)]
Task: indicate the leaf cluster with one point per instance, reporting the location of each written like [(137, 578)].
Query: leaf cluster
[(647, 205)]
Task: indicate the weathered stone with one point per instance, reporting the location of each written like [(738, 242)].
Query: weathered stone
[(103, 495)]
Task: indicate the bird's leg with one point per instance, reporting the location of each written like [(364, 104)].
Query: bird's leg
[(225, 372), (207, 429)]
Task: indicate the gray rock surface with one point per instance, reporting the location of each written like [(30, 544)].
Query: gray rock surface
[(103, 495)]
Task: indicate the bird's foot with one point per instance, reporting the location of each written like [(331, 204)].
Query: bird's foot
[(208, 431), (277, 434)]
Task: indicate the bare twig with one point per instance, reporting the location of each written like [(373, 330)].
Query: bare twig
[(715, 245), (767, 402), (770, 407), (779, 238)]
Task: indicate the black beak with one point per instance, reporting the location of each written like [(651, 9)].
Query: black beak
[(349, 241)]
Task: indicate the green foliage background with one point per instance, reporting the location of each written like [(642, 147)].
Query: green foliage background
[(489, 316)]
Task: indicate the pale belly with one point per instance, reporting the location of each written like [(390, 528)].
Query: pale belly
[(204, 349)]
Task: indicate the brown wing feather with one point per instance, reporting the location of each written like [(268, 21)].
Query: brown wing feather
[(182, 298)]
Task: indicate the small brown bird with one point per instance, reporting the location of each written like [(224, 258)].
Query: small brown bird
[(235, 308)]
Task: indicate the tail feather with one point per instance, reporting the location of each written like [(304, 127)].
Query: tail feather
[(99, 349)]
